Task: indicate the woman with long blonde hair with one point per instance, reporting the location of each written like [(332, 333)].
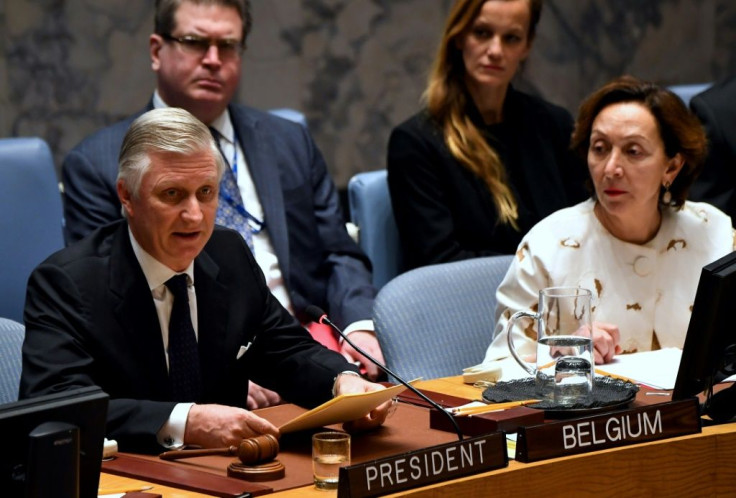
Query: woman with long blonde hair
[(472, 172)]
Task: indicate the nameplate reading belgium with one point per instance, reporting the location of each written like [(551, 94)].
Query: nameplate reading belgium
[(608, 430), (422, 467)]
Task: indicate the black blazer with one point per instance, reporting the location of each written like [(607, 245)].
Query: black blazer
[(90, 320), (716, 108), (446, 213), (319, 261)]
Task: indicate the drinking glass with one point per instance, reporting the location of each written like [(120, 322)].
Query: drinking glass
[(330, 451)]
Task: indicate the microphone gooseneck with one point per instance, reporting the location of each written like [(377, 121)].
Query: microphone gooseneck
[(318, 315)]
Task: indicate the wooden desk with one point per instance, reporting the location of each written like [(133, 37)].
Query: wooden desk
[(697, 465), (109, 481)]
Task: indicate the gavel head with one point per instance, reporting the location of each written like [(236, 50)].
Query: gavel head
[(258, 449)]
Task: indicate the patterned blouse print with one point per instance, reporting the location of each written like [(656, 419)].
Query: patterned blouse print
[(646, 290)]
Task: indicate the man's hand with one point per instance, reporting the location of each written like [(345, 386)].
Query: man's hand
[(606, 338), (260, 397), (216, 426), (367, 341), (352, 384)]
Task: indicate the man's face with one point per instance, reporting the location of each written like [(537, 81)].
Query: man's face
[(173, 215), (200, 81)]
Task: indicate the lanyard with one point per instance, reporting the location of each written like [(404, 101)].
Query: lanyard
[(255, 225)]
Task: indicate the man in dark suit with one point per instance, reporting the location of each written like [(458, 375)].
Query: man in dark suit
[(283, 199), (716, 108), (176, 366)]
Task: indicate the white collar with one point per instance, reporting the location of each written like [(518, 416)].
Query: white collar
[(156, 273), (222, 123)]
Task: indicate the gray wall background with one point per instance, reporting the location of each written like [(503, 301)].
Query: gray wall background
[(356, 68)]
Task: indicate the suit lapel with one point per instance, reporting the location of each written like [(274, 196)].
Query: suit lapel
[(265, 173), (136, 316), (135, 312), (212, 318)]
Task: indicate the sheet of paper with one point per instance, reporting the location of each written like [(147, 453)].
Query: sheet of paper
[(343, 408), (511, 444), (510, 370), (656, 369)]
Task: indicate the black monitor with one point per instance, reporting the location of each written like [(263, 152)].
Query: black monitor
[(39, 430), (710, 344)]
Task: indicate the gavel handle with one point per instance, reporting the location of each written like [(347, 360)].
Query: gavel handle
[(178, 454)]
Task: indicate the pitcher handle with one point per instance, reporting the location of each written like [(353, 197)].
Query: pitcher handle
[(525, 365)]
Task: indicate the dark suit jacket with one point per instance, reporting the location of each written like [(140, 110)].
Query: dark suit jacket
[(446, 213), (320, 263), (716, 108), (91, 320)]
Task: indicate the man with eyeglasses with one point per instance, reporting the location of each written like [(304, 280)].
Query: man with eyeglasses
[(277, 192)]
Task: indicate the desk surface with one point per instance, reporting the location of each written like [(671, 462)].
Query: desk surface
[(118, 483), (697, 465)]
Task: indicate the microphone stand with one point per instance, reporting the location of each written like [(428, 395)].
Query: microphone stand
[(721, 406), (320, 316)]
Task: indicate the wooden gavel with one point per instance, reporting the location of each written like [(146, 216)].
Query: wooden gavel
[(251, 451)]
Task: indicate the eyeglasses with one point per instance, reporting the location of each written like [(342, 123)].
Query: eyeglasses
[(196, 45)]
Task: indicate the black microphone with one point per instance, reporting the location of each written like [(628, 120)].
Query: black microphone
[(318, 315), (721, 407)]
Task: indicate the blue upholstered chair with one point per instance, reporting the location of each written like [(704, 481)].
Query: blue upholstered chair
[(371, 212), (290, 114), (687, 92), (30, 217), (436, 320), (11, 341)]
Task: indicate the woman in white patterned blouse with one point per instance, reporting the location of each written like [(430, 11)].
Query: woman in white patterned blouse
[(637, 244)]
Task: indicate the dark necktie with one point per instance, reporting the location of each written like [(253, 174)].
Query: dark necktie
[(184, 373), (231, 209)]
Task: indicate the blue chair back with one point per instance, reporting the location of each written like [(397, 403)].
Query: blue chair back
[(436, 320), (30, 217), (687, 92), (371, 212), (11, 342), (290, 114)]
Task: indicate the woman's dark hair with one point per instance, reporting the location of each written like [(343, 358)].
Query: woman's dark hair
[(680, 129)]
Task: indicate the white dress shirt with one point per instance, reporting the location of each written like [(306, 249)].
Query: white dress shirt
[(171, 434)]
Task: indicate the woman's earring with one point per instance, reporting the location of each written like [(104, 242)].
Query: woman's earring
[(667, 196)]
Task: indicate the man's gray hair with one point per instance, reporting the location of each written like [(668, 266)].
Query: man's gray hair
[(162, 130)]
